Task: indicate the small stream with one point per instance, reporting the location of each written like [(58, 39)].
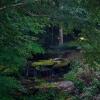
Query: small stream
[(52, 73), (49, 72)]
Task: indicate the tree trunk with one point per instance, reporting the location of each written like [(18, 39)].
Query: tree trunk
[(61, 35)]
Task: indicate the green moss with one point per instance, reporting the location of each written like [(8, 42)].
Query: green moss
[(43, 63), (46, 85), (49, 63)]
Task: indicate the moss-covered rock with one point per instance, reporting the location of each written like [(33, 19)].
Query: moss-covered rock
[(43, 63), (51, 63), (67, 86)]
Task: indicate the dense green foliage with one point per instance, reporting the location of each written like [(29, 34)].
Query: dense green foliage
[(23, 21)]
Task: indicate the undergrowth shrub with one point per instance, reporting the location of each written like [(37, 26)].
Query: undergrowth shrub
[(8, 87)]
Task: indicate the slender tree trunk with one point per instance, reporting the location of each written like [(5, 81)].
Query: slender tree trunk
[(61, 35), (29, 63), (52, 42)]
